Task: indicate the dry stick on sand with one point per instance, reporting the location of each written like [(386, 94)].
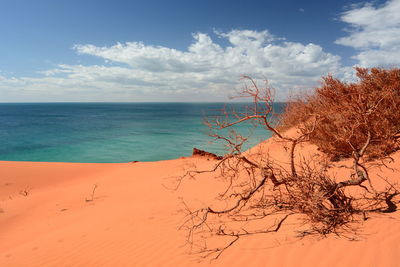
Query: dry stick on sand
[(258, 189), (92, 196), (25, 192)]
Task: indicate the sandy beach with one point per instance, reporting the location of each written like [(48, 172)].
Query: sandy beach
[(72, 214)]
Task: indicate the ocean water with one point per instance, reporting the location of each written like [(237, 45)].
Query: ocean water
[(111, 132)]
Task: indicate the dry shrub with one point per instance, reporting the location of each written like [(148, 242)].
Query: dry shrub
[(352, 110), (261, 193)]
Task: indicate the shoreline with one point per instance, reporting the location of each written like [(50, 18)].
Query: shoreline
[(195, 153)]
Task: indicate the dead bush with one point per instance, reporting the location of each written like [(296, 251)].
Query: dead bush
[(260, 189), (346, 112)]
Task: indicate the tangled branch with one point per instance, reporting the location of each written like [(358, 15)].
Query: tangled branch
[(259, 189)]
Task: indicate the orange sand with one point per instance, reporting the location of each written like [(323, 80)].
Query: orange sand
[(133, 220)]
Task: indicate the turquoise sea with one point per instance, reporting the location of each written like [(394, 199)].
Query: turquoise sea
[(110, 132)]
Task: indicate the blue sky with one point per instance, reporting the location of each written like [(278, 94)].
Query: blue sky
[(186, 50)]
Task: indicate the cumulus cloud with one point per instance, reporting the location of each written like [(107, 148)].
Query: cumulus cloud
[(206, 70), (374, 33)]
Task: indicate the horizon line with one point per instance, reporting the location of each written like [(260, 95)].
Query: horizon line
[(135, 102)]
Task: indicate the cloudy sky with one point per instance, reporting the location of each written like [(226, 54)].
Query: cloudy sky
[(186, 50)]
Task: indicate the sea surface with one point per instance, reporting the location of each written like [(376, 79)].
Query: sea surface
[(111, 132)]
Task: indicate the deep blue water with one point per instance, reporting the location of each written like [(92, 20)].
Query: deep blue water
[(109, 132)]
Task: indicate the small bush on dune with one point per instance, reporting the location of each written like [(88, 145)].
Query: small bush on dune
[(346, 112), (355, 120)]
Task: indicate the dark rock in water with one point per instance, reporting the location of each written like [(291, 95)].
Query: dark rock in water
[(202, 153)]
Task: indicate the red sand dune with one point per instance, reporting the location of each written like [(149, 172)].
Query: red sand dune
[(133, 220)]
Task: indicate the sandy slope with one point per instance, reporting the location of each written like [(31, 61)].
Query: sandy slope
[(133, 220)]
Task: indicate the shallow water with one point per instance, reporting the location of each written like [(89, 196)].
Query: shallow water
[(110, 132)]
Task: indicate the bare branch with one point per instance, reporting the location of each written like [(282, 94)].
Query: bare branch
[(259, 188)]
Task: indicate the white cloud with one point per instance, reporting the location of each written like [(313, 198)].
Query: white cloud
[(205, 71), (374, 33)]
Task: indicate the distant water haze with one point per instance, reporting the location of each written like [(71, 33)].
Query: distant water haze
[(111, 132)]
